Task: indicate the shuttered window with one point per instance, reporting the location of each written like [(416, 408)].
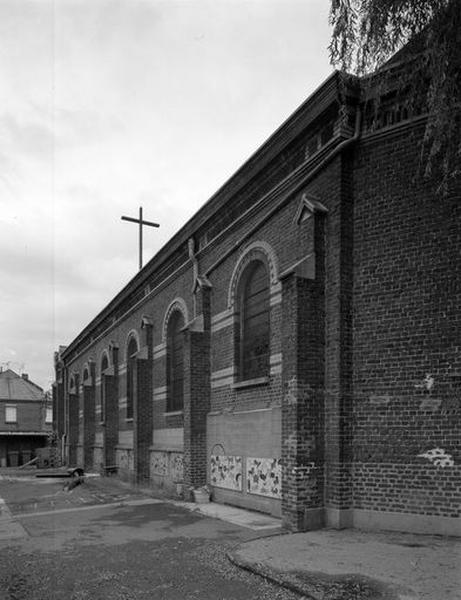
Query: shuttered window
[(254, 323), (175, 363)]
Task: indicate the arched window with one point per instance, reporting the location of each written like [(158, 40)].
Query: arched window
[(175, 362), (102, 399), (86, 374), (130, 367), (253, 342)]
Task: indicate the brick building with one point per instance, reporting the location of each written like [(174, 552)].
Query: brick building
[(296, 345), (25, 418)]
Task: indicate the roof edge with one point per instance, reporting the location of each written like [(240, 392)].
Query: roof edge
[(325, 94)]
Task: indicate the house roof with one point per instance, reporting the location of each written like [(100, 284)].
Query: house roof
[(14, 387)]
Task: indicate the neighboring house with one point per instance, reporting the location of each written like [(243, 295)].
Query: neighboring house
[(26, 418), (296, 345)]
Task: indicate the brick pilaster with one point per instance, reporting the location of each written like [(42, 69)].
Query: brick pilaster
[(338, 400), (110, 382), (89, 417), (59, 419), (73, 428), (143, 406), (303, 392), (197, 390), (54, 396)]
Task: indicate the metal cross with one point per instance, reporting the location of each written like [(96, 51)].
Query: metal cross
[(141, 223)]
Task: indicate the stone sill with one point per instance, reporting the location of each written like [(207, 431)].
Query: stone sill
[(173, 413), (250, 383), (129, 420)]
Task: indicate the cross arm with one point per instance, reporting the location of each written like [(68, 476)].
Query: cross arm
[(142, 222)]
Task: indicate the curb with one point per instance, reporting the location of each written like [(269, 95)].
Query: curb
[(270, 575), (321, 585)]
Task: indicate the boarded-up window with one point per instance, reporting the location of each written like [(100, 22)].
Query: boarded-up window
[(175, 363), (130, 368), (10, 414), (254, 323), (102, 399)]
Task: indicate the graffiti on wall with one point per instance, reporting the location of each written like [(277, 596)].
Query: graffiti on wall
[(264, 477), (159, 463), (167, 464), (226, 472), (177, 467), (438, 457)]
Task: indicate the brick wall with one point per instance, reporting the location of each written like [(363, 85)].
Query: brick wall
[(406, 331), (365, 362)]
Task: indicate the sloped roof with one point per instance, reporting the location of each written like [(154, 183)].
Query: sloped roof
[(14, 387)]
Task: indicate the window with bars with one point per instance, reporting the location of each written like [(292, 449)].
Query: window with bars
[(11, 414), (254, 326), (175, 363), (130, 375), (102, 399)]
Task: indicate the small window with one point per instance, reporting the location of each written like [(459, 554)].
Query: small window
[(254, 334), (175, 363), (10, 414), (49, 415), (130, 376)]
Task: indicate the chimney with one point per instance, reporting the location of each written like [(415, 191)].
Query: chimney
[(25, 376)]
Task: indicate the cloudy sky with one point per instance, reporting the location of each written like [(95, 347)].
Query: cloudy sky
[(107, 105)]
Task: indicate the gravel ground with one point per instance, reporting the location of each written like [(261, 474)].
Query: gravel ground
[(172, 569)]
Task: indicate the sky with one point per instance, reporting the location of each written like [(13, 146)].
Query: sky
[(108, 105)]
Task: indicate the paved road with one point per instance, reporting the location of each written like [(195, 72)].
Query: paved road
[(103, 541)]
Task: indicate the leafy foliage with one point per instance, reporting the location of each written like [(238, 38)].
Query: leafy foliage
[(367, 33)]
